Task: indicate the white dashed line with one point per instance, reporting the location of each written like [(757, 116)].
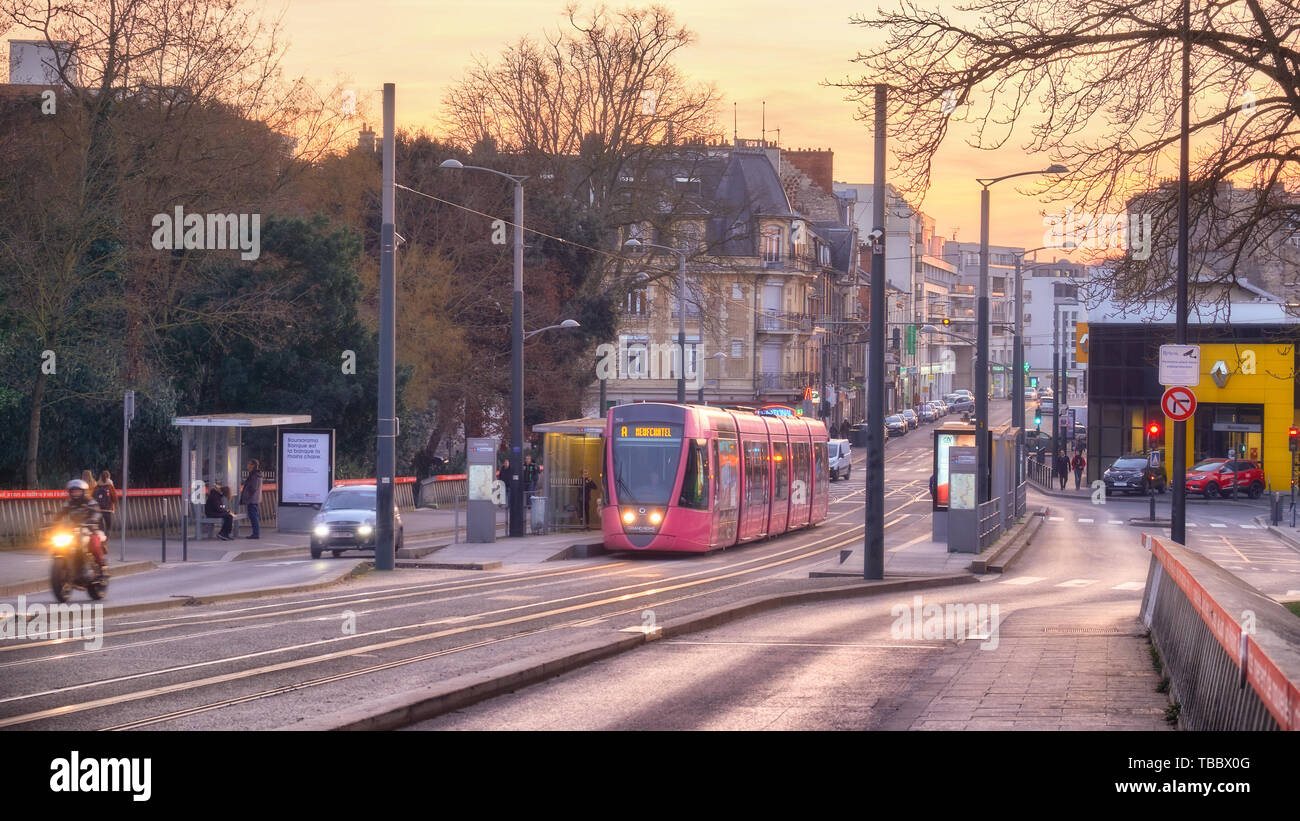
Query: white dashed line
[(1116, 522), (1055, 519), (1078, 583), (1089, 521), (1217, 524), (1025, 580), (1129, 586), (1248, 527)]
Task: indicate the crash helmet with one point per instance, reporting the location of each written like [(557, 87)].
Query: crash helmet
[(77, 491)]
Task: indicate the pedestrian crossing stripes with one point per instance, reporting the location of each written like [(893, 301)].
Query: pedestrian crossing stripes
[(1025, 580), (1078, 583), (1129, 586)]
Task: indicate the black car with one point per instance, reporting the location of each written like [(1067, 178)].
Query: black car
[(895, 425), (1135, 473)]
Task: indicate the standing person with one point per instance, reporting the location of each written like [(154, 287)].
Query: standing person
[(585, 487), (1061, 466), (532, 472), (1078, 463), (251, 496), (106, 496), (215, 508), (504, 475)]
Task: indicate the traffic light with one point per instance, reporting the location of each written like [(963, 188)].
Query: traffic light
[(1033, 380), (947, 321), (1294, 433), (1153, 429), (1026, 367), (1038, 420)]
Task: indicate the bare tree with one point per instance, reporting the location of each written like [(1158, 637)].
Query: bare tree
[(1097, 87)]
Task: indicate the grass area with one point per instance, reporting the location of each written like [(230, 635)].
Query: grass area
[(1293, 606)]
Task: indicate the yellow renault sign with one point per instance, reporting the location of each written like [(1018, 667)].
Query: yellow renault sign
[(1081, 343)]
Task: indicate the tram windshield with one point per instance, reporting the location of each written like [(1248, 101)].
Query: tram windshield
[(646, 456)]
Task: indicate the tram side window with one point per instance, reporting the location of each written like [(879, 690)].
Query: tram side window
[(801, 465), (819, 451), (726, 481), (764, 474), (752, 491), (695, 483), (782, 470)]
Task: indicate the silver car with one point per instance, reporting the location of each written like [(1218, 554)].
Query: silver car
[(346, 521)]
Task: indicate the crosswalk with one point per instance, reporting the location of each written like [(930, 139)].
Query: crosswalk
[(1090, 520)]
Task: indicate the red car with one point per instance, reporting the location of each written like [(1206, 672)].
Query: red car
[(1215, 477)]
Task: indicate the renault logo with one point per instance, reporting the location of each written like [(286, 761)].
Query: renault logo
[(1219, 373)]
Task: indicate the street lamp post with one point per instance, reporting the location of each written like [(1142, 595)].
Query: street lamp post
[(982, 332), (681, 310), (516, 347)]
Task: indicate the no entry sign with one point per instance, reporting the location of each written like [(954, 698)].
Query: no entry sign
[(1178, 403)]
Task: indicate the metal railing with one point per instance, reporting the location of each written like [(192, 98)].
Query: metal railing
[(1223, 676), (782, 321), (1022, 495), (990, 522), (1040, 473)]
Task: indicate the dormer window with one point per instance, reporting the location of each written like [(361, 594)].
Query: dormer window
[(772, 244)]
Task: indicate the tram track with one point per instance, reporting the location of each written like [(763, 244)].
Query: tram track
[(578, 609)]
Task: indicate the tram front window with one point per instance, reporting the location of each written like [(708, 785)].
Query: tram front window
[(646, 457)]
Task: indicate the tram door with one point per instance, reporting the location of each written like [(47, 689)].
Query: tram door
[(726, 491), (780, 487)]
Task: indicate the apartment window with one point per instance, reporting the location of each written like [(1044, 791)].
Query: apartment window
[(737, 349), (690, 238), (772, 244), (737, 291), (824, 254), (635, 356), (638, 301)]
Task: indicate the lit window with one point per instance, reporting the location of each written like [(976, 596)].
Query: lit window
[(772, 244)]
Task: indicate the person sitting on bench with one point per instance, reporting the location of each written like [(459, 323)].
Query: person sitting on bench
[(215, 508)]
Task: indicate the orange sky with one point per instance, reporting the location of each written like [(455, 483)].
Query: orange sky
[(753, 51)]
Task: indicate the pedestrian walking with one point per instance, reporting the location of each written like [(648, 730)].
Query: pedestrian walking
[(215, 507), (1078, 463), (1061, 466), (532, 474), (106, 495), (251, 497)]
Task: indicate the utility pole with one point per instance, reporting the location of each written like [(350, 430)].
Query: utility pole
[(873, 559), (1178, 509), (386, 455)]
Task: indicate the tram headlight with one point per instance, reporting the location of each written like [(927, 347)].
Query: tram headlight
[(656, 517), (628, 517)]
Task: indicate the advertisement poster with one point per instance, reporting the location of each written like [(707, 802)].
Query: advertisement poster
[(306, 466), (946, 441)]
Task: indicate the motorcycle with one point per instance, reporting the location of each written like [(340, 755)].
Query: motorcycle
[(72, 564)]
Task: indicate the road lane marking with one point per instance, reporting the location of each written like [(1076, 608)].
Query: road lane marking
[(1055, 519), (1129, 586), (1248, 527), (1217, 524), (1087, 521), (1025, 580), (1078, 583), (1116, 521), (1234, 549)]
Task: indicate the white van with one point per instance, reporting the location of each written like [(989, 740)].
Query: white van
[(838, 454)]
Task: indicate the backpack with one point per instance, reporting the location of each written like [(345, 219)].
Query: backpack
[(103, 496)]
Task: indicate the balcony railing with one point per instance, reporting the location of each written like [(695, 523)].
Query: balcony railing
[(784, 381), (780, 321)]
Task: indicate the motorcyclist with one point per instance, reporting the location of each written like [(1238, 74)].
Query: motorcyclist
[(81, 509)]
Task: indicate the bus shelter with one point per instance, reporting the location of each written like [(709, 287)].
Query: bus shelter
[(569, 448), (212, 452)]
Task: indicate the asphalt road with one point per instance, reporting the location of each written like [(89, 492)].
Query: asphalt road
[(274, 661)]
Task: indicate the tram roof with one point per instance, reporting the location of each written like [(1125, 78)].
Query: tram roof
[(586, 425)]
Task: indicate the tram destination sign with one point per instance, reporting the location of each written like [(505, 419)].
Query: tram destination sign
[(1180, 366)]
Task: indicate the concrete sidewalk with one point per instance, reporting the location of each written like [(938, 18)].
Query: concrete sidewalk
[(1055, 668)]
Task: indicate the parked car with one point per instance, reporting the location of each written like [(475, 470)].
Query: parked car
[(942, 406), (959, 402), (839, 452), (912, 419), (895, 426), (964, 392), (1031, 394), (1213, 478), (346, 521), (1135, 473), (1046, 395), (929, 412)]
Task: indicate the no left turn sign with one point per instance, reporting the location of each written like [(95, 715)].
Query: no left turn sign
[(1178, 403)]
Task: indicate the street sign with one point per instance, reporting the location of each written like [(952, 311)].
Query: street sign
[(1178, 403), (1180, 365)]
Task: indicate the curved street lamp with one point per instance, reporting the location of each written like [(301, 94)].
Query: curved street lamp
[(568, 323), (516, 344)]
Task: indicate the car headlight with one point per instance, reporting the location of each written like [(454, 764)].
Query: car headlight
[(365, 530), (321, 530)]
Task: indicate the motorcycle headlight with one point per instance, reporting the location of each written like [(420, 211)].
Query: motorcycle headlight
[(62, 538)]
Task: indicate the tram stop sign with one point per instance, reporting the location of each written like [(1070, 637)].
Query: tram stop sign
[(1178, 403)]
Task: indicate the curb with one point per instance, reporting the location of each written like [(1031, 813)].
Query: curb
[(394, 712), (195, 601), (1291, 541), (36, 585), (419, 565), (1135, 522), (1015, 546)]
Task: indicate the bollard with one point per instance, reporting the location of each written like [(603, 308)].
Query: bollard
[(164, 538), (1153, 504)]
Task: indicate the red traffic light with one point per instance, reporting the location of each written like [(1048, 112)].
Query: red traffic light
[(1294, 432), (1153, 429)]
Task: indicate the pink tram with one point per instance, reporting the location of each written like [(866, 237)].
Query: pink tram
[(697, 478)]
